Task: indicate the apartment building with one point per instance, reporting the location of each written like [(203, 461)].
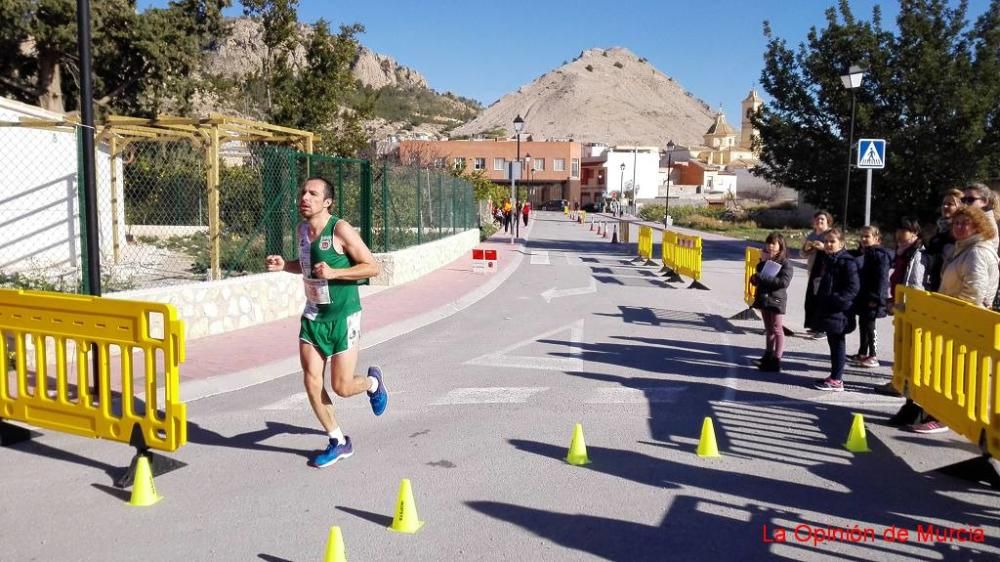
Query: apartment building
[(550, 169)]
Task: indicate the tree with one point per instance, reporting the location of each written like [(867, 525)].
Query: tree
[(926, 91), (140, 61)]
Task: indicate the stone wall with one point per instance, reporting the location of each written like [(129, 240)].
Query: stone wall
[(210, 308)]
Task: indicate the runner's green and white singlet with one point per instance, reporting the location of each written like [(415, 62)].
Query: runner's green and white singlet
[(326, 300)]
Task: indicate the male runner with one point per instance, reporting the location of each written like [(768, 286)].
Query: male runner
[(332, 258)]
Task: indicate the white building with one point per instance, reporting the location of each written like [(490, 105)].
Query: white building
[(40, 226), (633, 166)]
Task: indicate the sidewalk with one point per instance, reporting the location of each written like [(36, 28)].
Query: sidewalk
[(242, 358)]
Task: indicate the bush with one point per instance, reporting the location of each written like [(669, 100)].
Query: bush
[(486, 230), (590, 68), (618, 64)]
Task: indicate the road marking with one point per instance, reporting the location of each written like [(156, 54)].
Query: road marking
[(619, 395), (554, 293), (572, 363), (539, 257), (489, 395), (293, 402)]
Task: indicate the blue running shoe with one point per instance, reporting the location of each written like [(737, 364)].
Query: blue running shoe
[(334, 452), (381, 396)]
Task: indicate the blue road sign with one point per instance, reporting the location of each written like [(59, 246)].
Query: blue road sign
[(871, 153)]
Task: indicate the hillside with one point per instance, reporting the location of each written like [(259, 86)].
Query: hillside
[(406, 103), (610, 96)]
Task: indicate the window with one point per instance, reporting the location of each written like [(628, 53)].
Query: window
[(559, 164), (539, 165), (575, 172), (439, 162), (499, 164), (459, 163), (479, 163)]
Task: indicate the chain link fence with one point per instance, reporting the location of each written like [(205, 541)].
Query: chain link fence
[(154, 209)]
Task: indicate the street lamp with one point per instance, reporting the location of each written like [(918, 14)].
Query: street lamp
[(518, 127), (852, 81), (666, 199), (621, 190)]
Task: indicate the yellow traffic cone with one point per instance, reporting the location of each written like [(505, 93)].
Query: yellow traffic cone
[(577, 448), (143, 488), (707, 447), (335, 547), (405, 520), (857, 440)]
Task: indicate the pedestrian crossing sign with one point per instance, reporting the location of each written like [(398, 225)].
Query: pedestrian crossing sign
[(871, 153)]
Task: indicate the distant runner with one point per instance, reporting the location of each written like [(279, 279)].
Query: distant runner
[(332, 258)]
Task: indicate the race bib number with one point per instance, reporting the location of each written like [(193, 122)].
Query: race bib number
[(317, 291)]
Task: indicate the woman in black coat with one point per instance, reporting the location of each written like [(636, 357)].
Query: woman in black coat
[(835, 287), (771, 298)]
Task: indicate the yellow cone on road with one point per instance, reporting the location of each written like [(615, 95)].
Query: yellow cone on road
[(857, 439), (405, 520), (143, 489), (335, 551), (707, 447), (577, 447)]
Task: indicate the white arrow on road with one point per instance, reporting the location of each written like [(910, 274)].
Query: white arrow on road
[(554, 293)]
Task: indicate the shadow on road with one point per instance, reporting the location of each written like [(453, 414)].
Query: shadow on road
[(253, 439)]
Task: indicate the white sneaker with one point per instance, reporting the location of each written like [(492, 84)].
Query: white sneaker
[(869, 363)]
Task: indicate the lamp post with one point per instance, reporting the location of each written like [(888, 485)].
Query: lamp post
[(621, 190), (635, 190), (852, 81), (518, 127), (666, 199)]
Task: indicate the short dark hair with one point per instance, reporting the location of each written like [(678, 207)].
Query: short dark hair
[(327, 186), (910, 224)]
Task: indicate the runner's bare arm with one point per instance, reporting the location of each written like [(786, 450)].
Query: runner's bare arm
[(364, 262), (278, 263)]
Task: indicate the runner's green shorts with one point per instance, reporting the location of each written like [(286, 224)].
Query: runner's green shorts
[(331, 338)]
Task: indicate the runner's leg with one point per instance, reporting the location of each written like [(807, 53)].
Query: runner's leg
[(313, 366)]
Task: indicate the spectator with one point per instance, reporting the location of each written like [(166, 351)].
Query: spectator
[(873, 295), (971, 272), (771, 297), (835, 286), (939, 243), (978, 195), (507, 212), (909, 268), (813, 246), (525, 210)]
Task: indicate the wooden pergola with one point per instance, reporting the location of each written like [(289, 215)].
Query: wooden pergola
[(211, 132)]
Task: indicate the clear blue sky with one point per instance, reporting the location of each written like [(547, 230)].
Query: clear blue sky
[(483, 51)]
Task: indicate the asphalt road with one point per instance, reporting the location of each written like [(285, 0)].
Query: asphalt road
[(481, 412)]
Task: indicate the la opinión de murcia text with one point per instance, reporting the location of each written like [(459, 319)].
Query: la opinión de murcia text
[(857, 534)]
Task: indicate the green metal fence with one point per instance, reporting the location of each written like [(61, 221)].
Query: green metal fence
[(393, 207)]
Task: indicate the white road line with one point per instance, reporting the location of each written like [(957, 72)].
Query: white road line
[(502, 358), (293, 402), (619, 395), (539, 257), (489, 395)]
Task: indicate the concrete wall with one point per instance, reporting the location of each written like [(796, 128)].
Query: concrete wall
[(210, 308)]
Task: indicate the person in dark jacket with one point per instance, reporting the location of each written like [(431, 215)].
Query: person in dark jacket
[(771, 298), (873, 296), (835, 286)]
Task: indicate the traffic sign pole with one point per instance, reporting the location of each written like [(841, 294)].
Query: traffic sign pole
[(868, 197)]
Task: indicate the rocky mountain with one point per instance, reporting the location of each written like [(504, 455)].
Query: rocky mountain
[(242, 54), (604, 95)]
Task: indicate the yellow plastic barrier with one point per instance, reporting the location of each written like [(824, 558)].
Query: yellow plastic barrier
[(946, 358), (58, 333), (583, 217), (645, 246), (687, 256), (750, 260)]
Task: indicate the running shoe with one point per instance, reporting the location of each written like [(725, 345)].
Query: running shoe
[(869, 363), (334, 452), (929, 427), (380, 398), (829, 385)]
